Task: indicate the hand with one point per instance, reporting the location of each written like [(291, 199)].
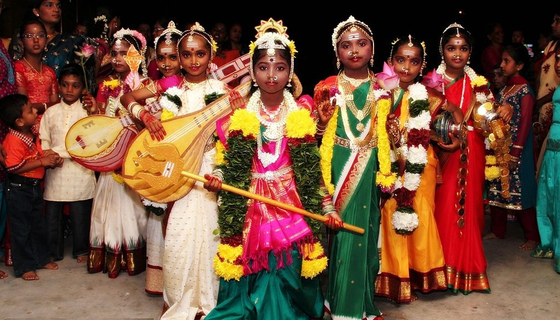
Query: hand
[(236, 101), (213, 183), (51, 160), (454, 145), (89, 103), (325, 107), (505, 111), (392, 127), (154, 126), (334, 221)]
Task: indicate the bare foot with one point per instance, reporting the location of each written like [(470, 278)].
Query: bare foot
[(81, 259), (489, 235), (50, 266), (529, 245), (29, 276), (3, 274)]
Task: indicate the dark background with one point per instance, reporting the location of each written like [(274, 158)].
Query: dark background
[(311, 29)]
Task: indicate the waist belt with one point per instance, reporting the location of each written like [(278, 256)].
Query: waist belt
[(14, 178), (272, 175), (349, 145)]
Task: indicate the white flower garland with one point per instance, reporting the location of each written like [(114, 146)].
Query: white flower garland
[(166, 101), (406, 222)]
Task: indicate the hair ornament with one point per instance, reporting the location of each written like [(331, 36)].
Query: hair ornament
[(271, 35), (351, 24), (100, 18), (410, 44), (170, 30), (133, 33), (196, 28)]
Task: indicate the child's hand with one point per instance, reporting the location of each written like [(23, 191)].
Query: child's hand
[(50, 160), (505, 112), (334, 221), (325, 107), (236, 101), (153, 125), (213, 183), (89, 103)]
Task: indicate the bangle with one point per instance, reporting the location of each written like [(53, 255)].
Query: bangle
[(45, 105), (135, 109)]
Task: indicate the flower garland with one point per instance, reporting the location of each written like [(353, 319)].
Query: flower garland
[(235, 162), (170, 102), (405, 219), (384, 177)]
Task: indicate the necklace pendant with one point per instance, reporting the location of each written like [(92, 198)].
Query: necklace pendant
[(360, 127), (360, 115), (41, 79)]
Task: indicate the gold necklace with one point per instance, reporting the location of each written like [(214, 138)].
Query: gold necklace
[(40, 72), (355, 82), (360, 114)]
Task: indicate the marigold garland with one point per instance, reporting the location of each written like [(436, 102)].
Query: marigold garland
[(326, 151), (236, 167), (385, 178)]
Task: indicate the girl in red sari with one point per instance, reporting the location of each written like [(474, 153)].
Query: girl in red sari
[(459, 203)]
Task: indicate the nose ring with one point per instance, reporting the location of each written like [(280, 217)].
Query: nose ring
[(197, 64), (114, 60)]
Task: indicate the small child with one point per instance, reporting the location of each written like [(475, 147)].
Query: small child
[(71, 184), (25, 164)]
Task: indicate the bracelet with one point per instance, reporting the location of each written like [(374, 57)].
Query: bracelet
[(45, 105), (135, 109)]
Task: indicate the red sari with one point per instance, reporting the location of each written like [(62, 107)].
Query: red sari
[(463, 251)]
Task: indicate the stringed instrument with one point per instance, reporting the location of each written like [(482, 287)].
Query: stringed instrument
[(149, 166), (99, 142)]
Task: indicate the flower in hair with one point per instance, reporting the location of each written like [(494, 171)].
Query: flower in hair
[(100, 18), (123, 32)]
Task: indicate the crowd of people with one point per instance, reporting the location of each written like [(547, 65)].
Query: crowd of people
[(308, 205)]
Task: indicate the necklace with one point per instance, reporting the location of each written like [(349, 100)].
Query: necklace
[(503, 95), (360, 114), (272, 115), (355, 82), (39, 73)]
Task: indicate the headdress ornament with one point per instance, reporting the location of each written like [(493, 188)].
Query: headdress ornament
[(457, 34), (272, 40), (409, 44), (196, 28), (352, 25), (170, 30)]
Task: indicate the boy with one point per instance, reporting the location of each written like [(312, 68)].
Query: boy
[(25, 164), (71, 184)]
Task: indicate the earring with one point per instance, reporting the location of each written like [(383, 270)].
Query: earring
[(255, 84), (371, 61), (337, 63), (37, 14)]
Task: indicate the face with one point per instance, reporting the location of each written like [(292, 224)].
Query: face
[(219, 32), (168, 59), (517, 37), (50, 11), (114, 25), (407, 62), (235, 33), (118, 52), (456, 52), (34, 39), (146, 31), (509, 66), (556, 26), (497, 35), (195, 57), (354, 49), (28, 116), (80, 30), (499, 79), (272, 73), (158, 29), (71, 88)]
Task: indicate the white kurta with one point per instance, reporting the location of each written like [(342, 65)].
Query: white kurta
[(72, 181), (190, 283)]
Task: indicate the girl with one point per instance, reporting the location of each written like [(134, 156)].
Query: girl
[(169, 66), (520, 197), (190, 286), (34, 78), (72, 183), (459, 199), (548, 216), (61, 47), (411, 253), (118, 218), (263, 248), (353, 109)]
